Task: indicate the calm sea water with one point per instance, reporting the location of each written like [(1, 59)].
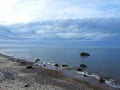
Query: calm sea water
[(103, 61)]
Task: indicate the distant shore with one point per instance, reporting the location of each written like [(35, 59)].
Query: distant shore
[(19, 74)]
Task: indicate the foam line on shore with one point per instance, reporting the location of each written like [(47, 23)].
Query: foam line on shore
[(112, 83)]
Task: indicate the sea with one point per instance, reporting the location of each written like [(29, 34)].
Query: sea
[(102, 61)]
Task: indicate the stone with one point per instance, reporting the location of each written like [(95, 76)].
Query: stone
[(29, 67), (37, 60), (101, 80), (83, 65), (84, 54), (56, 65), (64, 65), (79, 69), (44, 65), (85, 75)]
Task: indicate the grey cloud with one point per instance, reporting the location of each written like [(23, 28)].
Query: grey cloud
[(84, 29)]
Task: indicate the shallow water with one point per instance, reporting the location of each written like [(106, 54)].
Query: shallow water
[(105, 62)]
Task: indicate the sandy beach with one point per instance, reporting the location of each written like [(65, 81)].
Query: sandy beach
[(17, 74)]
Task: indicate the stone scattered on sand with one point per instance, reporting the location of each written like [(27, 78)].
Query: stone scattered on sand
[(79, 69), (83, 65), (101, 80), (64, 65), (84, 54), (56, 65), (85, 75), (29, 67), (44, 65), (37, 60)]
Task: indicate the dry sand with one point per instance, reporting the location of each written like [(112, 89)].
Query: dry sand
[(15, 76)]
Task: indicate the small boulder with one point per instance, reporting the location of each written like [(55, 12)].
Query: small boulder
[(85, 75), (44, 65), (101, 80), (64, 65), (79, 69), (84, 54), (29, 67), (83, 65), (56, 65), (37, 60)]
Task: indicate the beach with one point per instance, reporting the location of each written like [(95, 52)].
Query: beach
[(19, 74)]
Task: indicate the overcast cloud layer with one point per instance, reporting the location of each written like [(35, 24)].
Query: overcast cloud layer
[(23, 11), (51, 32)]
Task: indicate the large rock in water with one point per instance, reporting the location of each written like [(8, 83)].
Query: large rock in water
[(84, 54)]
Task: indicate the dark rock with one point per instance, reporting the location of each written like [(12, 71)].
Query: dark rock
[(44, 65), (83, 65), (56, 65), (85, 75), (84, 54), (64, 65), (29, 67), (37, 60), (79, 69), (101, 80)]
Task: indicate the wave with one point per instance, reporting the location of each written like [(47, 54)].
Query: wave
[(90, 75), (112, 83)]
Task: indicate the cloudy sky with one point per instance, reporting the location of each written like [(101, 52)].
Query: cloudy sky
[(89, 23), (19, 11)]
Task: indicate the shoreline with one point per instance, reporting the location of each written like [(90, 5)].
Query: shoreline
[(43, 78)]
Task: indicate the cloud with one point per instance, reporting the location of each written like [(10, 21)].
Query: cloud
[(83, 29), (69, 32), (24, 11)]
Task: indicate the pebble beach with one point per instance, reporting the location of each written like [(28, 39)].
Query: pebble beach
[(18, 74)]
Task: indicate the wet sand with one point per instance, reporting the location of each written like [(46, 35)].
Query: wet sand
[(15, 76)]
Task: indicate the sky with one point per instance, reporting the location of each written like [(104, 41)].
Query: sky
[(22, 11), (76, 23)]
